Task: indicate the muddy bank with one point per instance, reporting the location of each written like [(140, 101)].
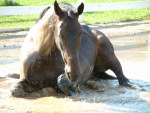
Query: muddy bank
[(132, 46)]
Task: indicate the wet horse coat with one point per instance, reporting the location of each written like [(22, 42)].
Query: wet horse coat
[(58, 44)]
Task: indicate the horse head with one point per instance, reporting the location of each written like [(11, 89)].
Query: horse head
[(67, 38)]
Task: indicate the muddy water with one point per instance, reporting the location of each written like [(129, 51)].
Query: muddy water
[(132, 46)]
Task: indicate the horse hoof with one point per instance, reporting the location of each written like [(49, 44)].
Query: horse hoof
[(17, 91), (125, 82), (128, 84), (65, 90), (95, 85), (64, 85), (79, 91)]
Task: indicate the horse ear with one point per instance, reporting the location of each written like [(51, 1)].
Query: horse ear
[(80, 9), (57, 9)]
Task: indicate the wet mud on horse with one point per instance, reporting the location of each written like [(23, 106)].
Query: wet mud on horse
[(58, 52)]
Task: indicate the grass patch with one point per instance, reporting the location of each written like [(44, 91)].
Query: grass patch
[(28, 20), (110, 1), (17, 21), (47, 2), (8, 3), (104, 16)]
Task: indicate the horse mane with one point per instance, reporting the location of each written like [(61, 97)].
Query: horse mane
[(66, 6), (43, 13)]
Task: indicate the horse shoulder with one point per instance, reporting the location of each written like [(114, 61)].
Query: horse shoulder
[(28, 54)]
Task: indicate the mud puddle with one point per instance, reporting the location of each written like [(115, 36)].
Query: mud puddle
[(132, 44)]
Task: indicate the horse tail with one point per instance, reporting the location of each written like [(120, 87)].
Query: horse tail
[(14, 75)]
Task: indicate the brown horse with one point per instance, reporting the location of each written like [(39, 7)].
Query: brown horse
[(58, 44)]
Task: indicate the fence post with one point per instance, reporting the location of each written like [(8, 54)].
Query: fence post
[(81, 17)]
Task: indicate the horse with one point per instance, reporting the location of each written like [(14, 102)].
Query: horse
[(58, 45)]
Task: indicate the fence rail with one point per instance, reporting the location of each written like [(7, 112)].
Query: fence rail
[(28, 10)]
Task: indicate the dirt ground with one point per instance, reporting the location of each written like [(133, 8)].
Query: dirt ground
[(131, 41)]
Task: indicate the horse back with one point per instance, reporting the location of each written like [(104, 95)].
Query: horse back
[(105, 46)]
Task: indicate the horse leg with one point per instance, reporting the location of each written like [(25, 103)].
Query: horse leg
[(95, 85), (98, 74), (107, 59), (102, 75), (111, 62), (23, 87), (116, 67), (66, 86)]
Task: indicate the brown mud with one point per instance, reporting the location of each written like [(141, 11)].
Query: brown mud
[(131, 41)]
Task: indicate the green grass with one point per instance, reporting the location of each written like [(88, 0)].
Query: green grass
[(104, 16), (47, 2), (28, 20), (17, 21), (110, 1)]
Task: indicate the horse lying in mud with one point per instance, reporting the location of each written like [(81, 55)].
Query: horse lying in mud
[(58, 51)]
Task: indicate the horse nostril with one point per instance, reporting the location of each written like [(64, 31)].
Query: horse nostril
[(71, 76)]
